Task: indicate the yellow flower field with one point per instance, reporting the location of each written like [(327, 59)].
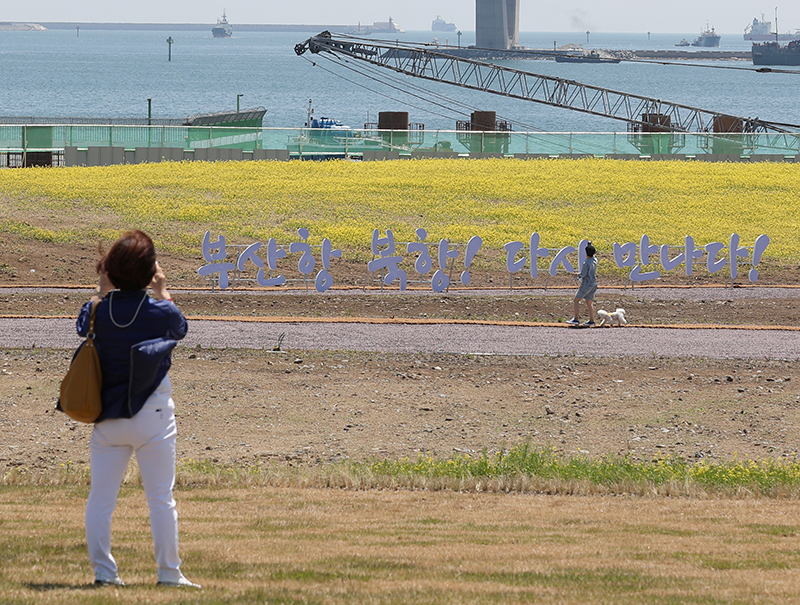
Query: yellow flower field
[(504, 200)]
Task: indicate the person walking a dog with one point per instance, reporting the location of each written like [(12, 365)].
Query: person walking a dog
[(588, 277)]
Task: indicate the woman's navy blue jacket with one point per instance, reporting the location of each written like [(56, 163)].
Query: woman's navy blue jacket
[(156, 319)]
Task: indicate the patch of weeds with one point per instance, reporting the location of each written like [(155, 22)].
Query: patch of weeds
[(370, 567), (313, 575), (663, 531), (767, 560), (610, 581), (214, 567), (212, 499), (279, 525), (782, 531), (280, 596)]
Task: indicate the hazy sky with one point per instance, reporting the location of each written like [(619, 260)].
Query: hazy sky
[(674, 16)]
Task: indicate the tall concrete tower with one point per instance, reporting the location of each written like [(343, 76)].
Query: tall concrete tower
[(497, 24)]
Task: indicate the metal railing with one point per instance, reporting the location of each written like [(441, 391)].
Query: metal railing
[(302, 142)]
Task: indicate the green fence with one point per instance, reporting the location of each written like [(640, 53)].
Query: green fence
[(302, 142)]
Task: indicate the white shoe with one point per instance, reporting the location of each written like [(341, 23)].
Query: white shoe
[(100, 581), (179, 583)]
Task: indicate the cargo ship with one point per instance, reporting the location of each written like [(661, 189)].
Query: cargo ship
[(222, 29), (440, 25), (761, 31), (772, 53), (707, 39)]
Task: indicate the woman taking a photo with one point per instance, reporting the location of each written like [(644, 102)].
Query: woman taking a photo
[(138, 411)]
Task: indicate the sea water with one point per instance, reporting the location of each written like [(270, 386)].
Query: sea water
[(103, 73)]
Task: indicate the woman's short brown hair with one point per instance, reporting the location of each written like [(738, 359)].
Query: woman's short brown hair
[(131, 262)]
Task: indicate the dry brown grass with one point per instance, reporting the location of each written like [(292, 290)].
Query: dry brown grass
[(331, 546)]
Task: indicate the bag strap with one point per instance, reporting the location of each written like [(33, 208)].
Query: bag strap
[(90, 333)]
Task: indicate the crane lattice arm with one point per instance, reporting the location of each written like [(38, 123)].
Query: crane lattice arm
[(641, 113)]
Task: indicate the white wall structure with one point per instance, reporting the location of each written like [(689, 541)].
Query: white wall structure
[(497, 24)]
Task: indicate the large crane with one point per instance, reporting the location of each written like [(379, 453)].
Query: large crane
[(643, 114)]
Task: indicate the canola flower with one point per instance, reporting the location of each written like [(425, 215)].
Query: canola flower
[(499, 200)]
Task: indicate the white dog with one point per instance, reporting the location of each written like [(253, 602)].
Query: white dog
[(609, 319)]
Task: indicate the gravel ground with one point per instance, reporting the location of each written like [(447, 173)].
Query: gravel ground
[(385, 387), (446, 338), (413, 334)]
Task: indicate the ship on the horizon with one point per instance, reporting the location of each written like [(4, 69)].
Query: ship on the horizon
[(761, 30), (709, 38), (377, 27), (222, 29), (440, 25), (772, 53), (386, 27)]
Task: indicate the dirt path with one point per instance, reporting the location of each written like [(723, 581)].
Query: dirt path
[(361, 390), (473, 322), (402, 337)]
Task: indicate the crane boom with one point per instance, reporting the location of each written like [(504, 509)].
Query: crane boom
[(640, 112)]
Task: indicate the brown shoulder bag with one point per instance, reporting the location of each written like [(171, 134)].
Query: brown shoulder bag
[(82, 387)]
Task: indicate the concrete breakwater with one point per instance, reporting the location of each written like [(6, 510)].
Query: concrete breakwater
[(693, 55), (477, 54), (240, 27), (6, 26), (482, 54)]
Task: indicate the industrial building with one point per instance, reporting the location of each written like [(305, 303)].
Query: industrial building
[(497, 24)]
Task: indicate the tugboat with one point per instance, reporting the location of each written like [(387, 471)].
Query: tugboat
[(707, 39), (222, 29), (330, 138), (683, 42), (440, 25)]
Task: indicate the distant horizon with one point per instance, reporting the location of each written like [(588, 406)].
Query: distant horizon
[(363, 24), (568, 16)]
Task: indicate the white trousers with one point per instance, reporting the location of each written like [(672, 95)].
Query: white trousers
[(151, 434)]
